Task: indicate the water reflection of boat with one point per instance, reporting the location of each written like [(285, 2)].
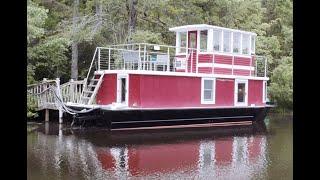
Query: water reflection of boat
[(242, 152), (235, 152), (105, 138)]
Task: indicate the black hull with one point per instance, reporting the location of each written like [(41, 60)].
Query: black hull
[(167, 118)]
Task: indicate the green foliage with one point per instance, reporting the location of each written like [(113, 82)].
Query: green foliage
[(281, 87), (36, 17), (141, 36), (31, 108)]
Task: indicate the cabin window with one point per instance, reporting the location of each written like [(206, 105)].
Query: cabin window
[(226, 41), (208, 91), (203, 40), (236, 42), (182, 42), (253, 44), (245, 43), (216, 40)]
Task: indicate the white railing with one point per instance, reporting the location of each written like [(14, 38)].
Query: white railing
[(154, 57), (42, 94)]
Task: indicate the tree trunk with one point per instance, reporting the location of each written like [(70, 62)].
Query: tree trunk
[(98, 11), (132, 19), (74, 62)]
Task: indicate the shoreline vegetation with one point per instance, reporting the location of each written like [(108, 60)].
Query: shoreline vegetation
[(64, 34)]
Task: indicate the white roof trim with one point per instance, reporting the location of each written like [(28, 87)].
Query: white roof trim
[(195, 27)]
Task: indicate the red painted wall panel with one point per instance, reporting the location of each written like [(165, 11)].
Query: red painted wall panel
[(225, 92), (223, 59), (163, 158), (222, 71), (241, 72), (255, 92), (155, 91), (242, 61), (134, 90), (205, 58), (207, 70), (175, 91), (169, 91), (107, 92)]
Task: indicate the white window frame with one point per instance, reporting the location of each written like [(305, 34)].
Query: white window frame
[(213, 101), (253, 46), (199, 41), (220, 41), (240, 44), (245, 103), (264, 92), (249, 48), (178, 43), (231, 41), (119, 77)]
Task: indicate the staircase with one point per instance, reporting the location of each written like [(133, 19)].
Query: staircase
[(90, 91)]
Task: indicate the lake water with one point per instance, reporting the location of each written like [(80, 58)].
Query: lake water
[(259, 151)]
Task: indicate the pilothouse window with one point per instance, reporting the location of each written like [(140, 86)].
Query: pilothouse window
[(203, 40), (216, 40), (236, 42), (245, 43), (183, 42), (226, 41)]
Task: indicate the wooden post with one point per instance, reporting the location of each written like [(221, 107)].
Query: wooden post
[(47, 115), (72, 90), (46, 128), (59, 94)]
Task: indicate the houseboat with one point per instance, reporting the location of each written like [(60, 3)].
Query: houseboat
[(211, 77)]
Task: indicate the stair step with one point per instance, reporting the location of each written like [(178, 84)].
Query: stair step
[(94, 79), (92, 85), (85, 97), (85, 91)]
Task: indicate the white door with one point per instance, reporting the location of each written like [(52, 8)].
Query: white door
[(122, 89), (241, 92)]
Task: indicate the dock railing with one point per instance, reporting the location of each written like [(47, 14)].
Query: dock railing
[(43, 94)]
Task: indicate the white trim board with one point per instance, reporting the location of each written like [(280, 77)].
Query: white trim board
[(228, 66), (184, 74)]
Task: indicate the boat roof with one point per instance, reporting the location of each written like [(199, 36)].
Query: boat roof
[(195, 27)]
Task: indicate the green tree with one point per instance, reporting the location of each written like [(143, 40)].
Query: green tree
[(281, 86)]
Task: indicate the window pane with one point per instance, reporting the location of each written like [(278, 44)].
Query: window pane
[(208, 84), (226, 41), (245, 43), (253, 38), (236, 42), (207, 95), (193, 40), (216, 40), (203, 40), (183, 42)]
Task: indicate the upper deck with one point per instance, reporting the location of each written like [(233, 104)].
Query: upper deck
[(199, 49)]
